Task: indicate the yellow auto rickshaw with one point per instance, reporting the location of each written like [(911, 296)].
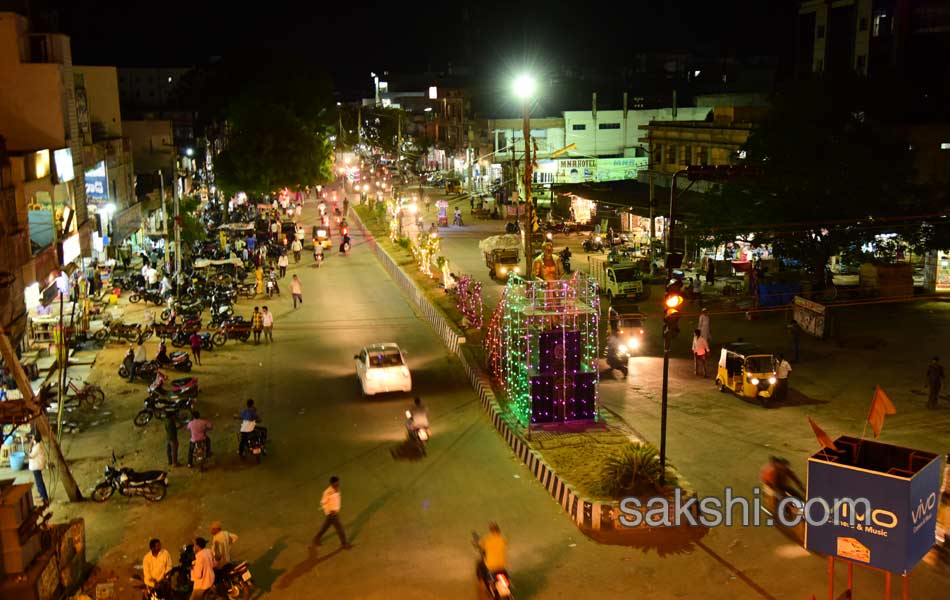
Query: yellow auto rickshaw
[(746, 371), (321, 236)]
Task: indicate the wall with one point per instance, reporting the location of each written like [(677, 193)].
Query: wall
[(102, 95), (151, 145), (594, 141)]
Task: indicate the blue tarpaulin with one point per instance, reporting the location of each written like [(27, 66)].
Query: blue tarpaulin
[(776, 294)]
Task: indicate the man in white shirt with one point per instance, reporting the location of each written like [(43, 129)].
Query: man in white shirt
[(700, 351), (267, 320), (703, 324), (330, 503), (155, 567), (782, 371), (221, 545), (202, 570), (151, 277)]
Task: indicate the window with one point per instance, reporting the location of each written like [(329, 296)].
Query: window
[(687, 155), (608, 126), (578, 127), (821, 32), (702, 157), (671, 155), (658, 154)]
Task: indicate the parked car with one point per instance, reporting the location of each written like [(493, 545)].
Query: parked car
[(382, 368)]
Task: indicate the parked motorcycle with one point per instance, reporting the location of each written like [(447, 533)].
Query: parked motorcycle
[(149, 295), (144, 371), (161, 408), (220, 313), (180, 361), (117, 331), (248, 290), (233, 581), (183, 338), (236, 328), (151, 485), (185, 386)]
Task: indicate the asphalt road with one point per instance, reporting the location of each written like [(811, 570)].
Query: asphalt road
[(409, 518)]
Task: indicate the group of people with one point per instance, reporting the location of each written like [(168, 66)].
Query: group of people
[(211, 557)]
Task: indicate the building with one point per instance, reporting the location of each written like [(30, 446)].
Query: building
[(150, 89), (15, 253)]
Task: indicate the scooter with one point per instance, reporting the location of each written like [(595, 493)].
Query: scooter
[(151, 485), (496, 583), (418, 434)]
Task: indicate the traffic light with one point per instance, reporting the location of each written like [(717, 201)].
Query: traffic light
[(672, 301)]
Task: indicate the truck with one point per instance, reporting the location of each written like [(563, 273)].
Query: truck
[(502, 255), (616, 280)]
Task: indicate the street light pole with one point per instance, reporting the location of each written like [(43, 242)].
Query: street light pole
[(161, 186), (529, 250), (670, 225)]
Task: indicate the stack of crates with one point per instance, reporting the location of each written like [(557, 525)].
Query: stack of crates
[(19, 541)]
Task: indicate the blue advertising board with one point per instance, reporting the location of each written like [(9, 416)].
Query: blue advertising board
[(97, 186), (895, 527)]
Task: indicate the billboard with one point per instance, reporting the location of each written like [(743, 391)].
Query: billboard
[(883, 502), (63, 161), (97, 186), (580, 170)]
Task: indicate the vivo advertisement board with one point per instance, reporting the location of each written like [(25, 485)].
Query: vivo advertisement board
[(895, 528), (97, 187)]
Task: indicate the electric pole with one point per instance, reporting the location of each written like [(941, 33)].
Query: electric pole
[(529, 212), (161, 185)]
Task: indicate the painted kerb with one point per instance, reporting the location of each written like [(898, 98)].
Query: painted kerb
[(586, 514)]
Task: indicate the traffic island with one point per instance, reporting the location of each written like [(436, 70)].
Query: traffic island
[(568, 464)]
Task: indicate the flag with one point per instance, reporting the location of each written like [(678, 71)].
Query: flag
[(880, 405), (823, 438)]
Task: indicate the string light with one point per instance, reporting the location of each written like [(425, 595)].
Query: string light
[(542, 345), (469, 300)]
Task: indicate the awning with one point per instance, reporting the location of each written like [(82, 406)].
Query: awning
[(127, 222), (634, 195)]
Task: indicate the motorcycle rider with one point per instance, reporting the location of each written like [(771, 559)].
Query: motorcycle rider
[(457, 221), (779, 476), (565, 255), (494, 550), (138, 358), (156, 565), (249, 420), (418, 416), (614, 358), (199, 429), (345, 243)]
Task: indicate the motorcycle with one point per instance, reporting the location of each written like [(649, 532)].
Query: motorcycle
[(496, 583), (566, 259), (161, 408), (318, 258), (144, 371), (220, 314), (180, 361), (148, 295), (151, 485), (182, 338), (248, 290), (457, 221), (255, 441), (594, 243), (418, 435), (185, 386), (118, 331), (237, 328), (617, 357), (272, 286), (232, 581), (345, 244)]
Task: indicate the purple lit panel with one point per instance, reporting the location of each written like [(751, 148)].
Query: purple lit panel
[(559, 350), (542, 399)]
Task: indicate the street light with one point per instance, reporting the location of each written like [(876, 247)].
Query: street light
[(189, 152), (524, 88)]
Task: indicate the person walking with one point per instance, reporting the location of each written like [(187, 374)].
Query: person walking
[(296, 248), (934, 381), (700, 351), (330, 502), (257, 325), (171, 439), (37, 464), (202, 570), (710, 271), (221, 542), (703, 326), (195, 341), (267, 321), (296, 291), (782, 371), (259, 278), (282, 263), (796, 332)]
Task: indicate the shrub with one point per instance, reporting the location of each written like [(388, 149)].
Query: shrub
[(635, 470), (404, 242)]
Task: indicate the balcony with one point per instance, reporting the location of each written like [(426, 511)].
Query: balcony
[(49, 48)]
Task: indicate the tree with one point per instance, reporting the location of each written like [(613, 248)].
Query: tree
[(830, 178)]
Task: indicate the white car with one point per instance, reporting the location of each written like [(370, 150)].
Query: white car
[(382, 368)]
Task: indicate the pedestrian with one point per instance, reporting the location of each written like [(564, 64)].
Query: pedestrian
[(796, 331), (171, 439), (330, 503), (710, 271), (296, 291), (37, 464), (282, 264), (267, 321), (202, 570), (221, 542), (934, 381), (703, 326), (156, 565), (296, 247), (299, 210), (259, 278), (698, 289), (257, 325), (346, 205), (782, 371), (700, 351), (199, 429), (195, 341)]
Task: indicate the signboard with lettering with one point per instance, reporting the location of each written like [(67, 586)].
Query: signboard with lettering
[(97, 186), (810, 316), (880, 500), (578, 170)]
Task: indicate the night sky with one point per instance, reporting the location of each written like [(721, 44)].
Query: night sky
[(349, 37)]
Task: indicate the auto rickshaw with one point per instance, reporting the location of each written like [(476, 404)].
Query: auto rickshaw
[(627, 321), (746, 371), (321, 236)]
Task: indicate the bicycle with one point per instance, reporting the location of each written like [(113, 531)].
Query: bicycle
[(88, 397)]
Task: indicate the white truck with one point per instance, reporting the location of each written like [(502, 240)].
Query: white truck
[(616, 280)]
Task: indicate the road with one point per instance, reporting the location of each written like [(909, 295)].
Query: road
[(409, 519)]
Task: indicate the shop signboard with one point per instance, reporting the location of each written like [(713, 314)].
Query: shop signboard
[(810, 316), (882, 503), (97, 186), (126, 222), (579, 170)]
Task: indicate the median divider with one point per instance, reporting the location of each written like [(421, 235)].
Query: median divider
[(588, 515)]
